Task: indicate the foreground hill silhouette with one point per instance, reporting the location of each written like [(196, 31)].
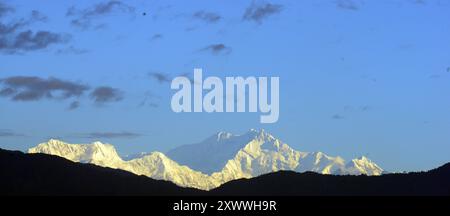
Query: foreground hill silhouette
[(287, 183), (41, 174)]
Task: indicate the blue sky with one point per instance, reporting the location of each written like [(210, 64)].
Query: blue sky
[(357, 77)]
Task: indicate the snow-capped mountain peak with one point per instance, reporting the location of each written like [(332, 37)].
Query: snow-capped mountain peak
[(211, 154), (220, 158), (96, 152), (155, 164), (363, 165)]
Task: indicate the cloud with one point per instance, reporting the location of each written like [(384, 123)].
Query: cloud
[(109, 135), (9, 133), (441, 74), (435, 76), (5, 9), (156, 36), (74, 105), (160, 77), (189, 29), (31, 88), (30, 41), (154, 105), (217, 49), (369, 78), (83, 18), (9, 29), (149, 98), (71, 50), (347, 5), (258, 11), (352, 109), (419, 2), (38, 16), (15, 39), (105, 94), (337, 117), (365, 108), (207, 17)]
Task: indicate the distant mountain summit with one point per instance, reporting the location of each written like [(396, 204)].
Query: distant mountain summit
[(258, 152), (216, 160), (212, 154)]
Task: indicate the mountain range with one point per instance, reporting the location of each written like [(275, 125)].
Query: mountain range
[(218, 159), (43, 174)]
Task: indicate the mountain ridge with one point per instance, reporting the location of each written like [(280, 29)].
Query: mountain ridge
[(216, 160), (43, 174)]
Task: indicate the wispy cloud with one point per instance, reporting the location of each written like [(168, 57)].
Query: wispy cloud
[(29, 41), (364, 108), (208, 17), (258, 11), (156, 36), (149, 100), (441, 74), (83, 18), (108, 135), (337, 117), (31, 88), (435, 76), (105, 94), (74, 105), (190, 29), (347, 5), (9, 133), (5, 9), (71, 50), (217, 49), (419, 2), (160, 77), (38, 16), (15, 38), (369, 78)]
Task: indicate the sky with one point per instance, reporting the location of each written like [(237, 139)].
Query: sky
[(357, 77)]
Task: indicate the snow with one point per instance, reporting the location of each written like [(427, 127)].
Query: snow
[(220, 158)]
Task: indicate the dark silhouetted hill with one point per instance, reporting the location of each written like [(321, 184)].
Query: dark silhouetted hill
[(432, 183), (40, 174)]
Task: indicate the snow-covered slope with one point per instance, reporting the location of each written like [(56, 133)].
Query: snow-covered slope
[(219, 159), (96, 153), (361, 165), (212, 154), (265, 154), (155, 165)]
